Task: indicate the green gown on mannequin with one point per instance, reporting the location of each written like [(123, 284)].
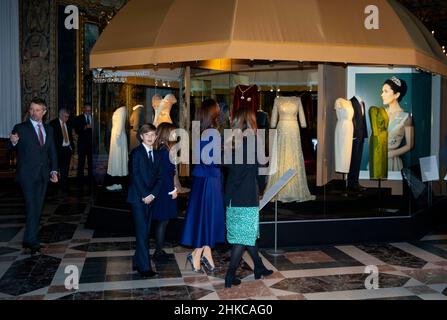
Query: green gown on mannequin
[(378, 143)]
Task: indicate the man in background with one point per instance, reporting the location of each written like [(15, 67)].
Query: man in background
[(83, 128), (63, 139)]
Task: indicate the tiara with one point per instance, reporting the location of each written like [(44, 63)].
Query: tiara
[(396, 81)]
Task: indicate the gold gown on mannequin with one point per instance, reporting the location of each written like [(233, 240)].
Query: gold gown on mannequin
[(378, 143), (287, 153)]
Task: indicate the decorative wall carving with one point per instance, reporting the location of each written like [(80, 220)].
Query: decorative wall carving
[(35, 38), (38, 34)]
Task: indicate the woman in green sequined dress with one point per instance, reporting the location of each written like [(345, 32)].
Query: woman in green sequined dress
[(242, 199)]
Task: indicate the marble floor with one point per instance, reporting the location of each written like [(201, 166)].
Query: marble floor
[(416, 270)]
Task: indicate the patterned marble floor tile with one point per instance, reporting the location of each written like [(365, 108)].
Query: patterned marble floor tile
[(336, 283), (434, 296), (118, 294), (197, 293), (393, 256), (174, 293), (57, 232), (146, 294), (245, 290), (433, 276), (308, 257), (418, 252), (421, 290), (292, 297), (359, 294), (29, 275), (432, 247), (39, 297), (399, 298), (97, 295), (196, 280)]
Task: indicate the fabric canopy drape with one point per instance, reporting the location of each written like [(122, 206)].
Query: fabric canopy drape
[(9, 66)]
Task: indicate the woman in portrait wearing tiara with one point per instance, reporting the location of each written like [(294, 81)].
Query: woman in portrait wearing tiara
[(400, 128)]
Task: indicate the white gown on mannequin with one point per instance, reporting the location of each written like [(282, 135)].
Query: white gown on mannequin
[(289, 154), (344, 133), (118, 156)]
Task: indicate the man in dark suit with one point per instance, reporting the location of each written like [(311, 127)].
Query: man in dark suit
[(63, 139), (145, 183), (36, 164), (83, 128)]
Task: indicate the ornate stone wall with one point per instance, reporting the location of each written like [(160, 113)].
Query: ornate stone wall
[(38, 35)]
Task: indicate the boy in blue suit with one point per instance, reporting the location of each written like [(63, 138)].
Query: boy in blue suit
[(145, 184)]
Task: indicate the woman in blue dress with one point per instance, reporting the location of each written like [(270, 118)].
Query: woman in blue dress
[(165, 206), (204, 221)]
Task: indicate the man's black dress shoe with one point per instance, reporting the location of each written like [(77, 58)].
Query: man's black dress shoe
[(147, 274), (29, 249)]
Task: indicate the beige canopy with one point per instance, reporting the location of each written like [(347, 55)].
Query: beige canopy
[(147, 32)]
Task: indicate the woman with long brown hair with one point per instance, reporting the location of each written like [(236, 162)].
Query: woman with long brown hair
[(242, 208), (165, 206), (204, 222)]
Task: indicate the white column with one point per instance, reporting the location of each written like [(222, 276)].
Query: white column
[(9, 66)]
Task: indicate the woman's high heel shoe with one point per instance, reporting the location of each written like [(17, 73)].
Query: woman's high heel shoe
[(190, 260), (264, 272), (207, 264)]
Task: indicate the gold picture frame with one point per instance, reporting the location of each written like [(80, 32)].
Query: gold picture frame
[(87, 34)]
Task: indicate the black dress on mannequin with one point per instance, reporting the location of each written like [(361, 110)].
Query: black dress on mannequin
[(360, 134)]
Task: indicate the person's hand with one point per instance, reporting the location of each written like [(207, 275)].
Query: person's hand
[(148, 199), (54, 178), (174, 195), (14, 138)]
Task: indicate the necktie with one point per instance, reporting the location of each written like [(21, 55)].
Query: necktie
[(39, 126), (151, 159), (65, 133), (88, 120)]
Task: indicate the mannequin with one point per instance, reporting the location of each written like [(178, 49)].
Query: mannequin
[(246, 97), (262, 119), (360, 134), (118, 156), (287, 153), (162, 114), (164, 110), (344, 133), (378, 143), (156, 100), (400, 123), (136, 121)]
